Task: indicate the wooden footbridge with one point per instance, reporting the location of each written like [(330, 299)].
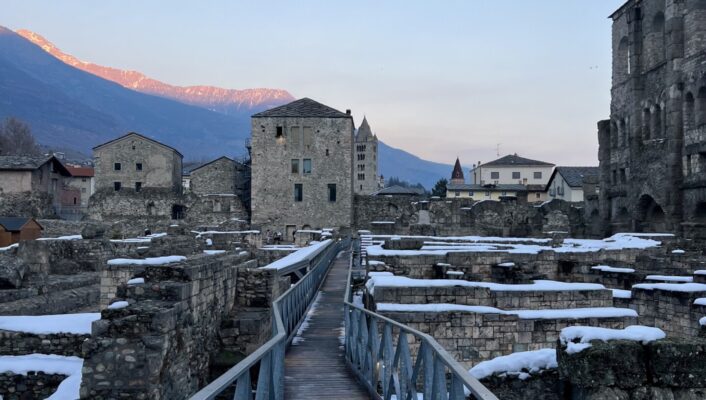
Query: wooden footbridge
[(345, 352)]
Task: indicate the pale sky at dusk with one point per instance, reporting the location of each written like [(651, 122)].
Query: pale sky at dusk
[(437, 78)]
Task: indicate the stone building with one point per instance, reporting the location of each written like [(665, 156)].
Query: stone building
[(653, 149), (302, 168), (365, 176), (136, 162), (82, 180), (215, 177), (19, 174)]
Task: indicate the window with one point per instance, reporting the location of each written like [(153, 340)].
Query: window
[(332, 192), (495, 175), (623, 176), (326, 152), (457, 193), (308, 136), (295, 166), (280, 132), (117, 166), (515, 175), (83, 190), (361, 177), (117, 186), (83, 180), (688, 164), (614, 176), (298, 192), (138, 186), (503, 193), (294, 137), (537, 195), (487, 194), (74, 201), (138, 166), (538, 175), (307, 166), (470, 194)]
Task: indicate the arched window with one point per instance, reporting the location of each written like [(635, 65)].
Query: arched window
[(646, 121), (622, 65), (689, 112), (701, 107), (657, 122)]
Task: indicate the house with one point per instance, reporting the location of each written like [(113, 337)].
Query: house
[(217, 176), (513, 169), (302, 168), (365, 177), (136, 162), (485, 192), (399, 191), (567, 183), (44, 174), (15, 229), (81, 180)]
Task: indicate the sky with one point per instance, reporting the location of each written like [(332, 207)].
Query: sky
[(440, 79)]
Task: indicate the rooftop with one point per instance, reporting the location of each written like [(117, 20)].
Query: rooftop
[(514, 159), (80, 172), (492, 188), (140, 136), (22, 163), (399, 191), (14, 224), (574, 176), (305, 107)]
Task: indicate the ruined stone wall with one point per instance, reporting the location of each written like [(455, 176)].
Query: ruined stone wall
[(27, 204), (671, 311), (34, 385), (20, 343), (442, 217), (474, 337), (161, 345), (329, 146)]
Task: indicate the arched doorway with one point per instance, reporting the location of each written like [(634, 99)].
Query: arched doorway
[(650, 215)]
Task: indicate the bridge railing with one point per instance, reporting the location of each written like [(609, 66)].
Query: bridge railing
[(378, 351), (288, 312)]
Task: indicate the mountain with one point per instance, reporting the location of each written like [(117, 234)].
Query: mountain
[(226, 101), (72, 104)]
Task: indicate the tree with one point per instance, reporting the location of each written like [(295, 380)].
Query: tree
[(440, 188), (16, 139)]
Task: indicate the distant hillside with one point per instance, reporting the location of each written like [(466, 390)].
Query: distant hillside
[(72, 104)]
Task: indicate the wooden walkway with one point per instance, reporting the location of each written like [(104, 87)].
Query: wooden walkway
[(315, 368)]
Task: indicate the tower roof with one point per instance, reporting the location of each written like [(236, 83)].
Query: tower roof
[(458, 171), (305, 107), (365, 134)]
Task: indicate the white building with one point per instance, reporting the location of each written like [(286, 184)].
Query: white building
[(566, 183), (515, 170)]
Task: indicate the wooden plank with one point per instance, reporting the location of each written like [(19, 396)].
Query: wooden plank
[(316, 368)]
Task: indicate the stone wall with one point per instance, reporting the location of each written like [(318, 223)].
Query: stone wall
[(27, 204), (161, 345), (20, 343), (673, 312), (455, 217), (34, 385), (474, 337), (217, 176)]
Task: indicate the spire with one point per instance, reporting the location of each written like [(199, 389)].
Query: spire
[(457, 174), (364, 132)]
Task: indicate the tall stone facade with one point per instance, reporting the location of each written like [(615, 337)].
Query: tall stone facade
[(365, 176), (302, 163), (653, 149), (134, 162)]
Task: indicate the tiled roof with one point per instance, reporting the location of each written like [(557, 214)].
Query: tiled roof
[(209, 163), (22, 163), (492, 188), (81, 172), (514, 159), (305, 107), (458, 171), (140, 136), (364, 132), (574, 175), (13, 224), (399, 190)]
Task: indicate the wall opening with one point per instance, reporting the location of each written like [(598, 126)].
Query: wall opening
[(178, 211)]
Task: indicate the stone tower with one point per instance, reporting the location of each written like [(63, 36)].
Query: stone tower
[(457, 174), (365, 175), (302, 163), (653, 149)]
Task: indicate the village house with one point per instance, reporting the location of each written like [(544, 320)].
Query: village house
[(44, 174), (366, 179), (485, 192), (515, 170), (136, 162), (302, 167), (81, 179), (215, 177), (15, 229), (567, 183)]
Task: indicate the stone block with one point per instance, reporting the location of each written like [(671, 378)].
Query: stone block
[(617, 363), (679, 363)]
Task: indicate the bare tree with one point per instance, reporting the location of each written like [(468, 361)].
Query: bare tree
[(16, 139)]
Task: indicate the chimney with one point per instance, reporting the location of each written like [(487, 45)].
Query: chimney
[(348, 111)]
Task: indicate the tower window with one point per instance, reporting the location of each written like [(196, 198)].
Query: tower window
[(332, 192), (298, 192), (117, 186), (306, 168), (138, 166), (117, 166), (280, 132)]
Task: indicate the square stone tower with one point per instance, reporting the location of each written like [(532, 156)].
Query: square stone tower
[(653, 149), (365, 177), (302, 163)]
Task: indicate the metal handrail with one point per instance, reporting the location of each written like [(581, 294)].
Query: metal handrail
[(372, 356), (288, 312)]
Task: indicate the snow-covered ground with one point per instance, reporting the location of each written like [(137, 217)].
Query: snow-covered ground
[(299, 255), (567, 313), (12, 246), (140, 239), (578, 338), (213, 252), (305, 324), (672, 287), (146, 261), (669, 278), (68, 237), (79, 324), (49, 364), (522, 363), (608, 268)]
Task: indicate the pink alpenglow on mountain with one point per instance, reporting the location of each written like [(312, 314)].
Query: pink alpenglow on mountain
[(214, 98)]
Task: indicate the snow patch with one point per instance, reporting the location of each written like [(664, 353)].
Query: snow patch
[(673, 287), (516, 364), (581, 336), (305, 324), (118, 305), (146, 261), (621, 294), (608, 268), (79, 324), (69, 237), (136, 281), (568, 313), (700, 302), (49, 364), (669, 278), (213, 252), (12, 246), (299, 255)]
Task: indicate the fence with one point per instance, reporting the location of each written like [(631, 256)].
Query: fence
[(288, 312), (378, 351)]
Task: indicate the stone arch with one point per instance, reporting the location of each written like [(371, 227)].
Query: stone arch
[(657, 121), (650, 215), (689, 111), (700, 112)]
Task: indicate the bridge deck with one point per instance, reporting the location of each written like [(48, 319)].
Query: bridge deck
[(315, 368)]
